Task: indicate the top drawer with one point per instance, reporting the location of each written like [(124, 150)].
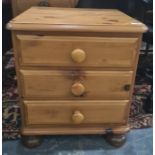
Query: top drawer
[(76, 51)]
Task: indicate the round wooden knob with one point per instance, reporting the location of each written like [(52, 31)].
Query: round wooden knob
[(77, 117), (78, 55), (78, 89)]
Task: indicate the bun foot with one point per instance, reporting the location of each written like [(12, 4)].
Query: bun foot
[(116, 140), (31, 141)]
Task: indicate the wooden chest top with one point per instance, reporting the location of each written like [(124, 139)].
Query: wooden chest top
[(62, 19)]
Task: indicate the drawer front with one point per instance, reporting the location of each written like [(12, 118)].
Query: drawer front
[(77, 51), (75, 112), (76, 85)]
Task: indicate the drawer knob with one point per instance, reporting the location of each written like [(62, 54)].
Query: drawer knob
[(127, 87), (78, 89), (77, 117), (44, 3), (78, 55)]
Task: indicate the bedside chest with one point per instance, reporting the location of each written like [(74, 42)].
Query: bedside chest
[(76, 70)]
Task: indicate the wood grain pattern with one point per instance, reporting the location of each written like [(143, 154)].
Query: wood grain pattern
[(61, 112), (43, 18), (61, 130), (58, 84), (20, 6), (57, 51)]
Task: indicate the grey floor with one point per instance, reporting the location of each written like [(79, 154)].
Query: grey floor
[(139, 142)]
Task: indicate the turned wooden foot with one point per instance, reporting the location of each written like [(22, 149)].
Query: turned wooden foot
[(116, 140), (31, 141)]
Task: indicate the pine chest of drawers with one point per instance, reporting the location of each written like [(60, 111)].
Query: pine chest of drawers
[(76, 70)]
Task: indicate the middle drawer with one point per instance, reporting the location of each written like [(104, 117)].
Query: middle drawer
[(105, 85)]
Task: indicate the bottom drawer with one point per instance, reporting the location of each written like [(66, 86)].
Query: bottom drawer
[(75, 112)]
